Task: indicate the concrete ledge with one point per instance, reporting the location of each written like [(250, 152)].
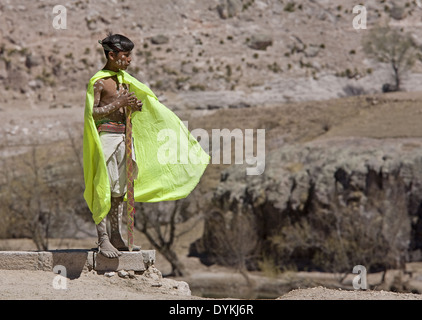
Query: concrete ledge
[(135, 261), (127, 261), (19, 260), (76, 261)]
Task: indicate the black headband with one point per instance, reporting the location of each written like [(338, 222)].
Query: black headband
[(111, 47)]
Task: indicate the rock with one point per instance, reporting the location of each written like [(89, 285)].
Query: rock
[(159, 39), (109, 274), (312, 51), (229, 8), (35, 84), (398, 12), (32, 61), (260, 41), (153, 273), (123, 274)]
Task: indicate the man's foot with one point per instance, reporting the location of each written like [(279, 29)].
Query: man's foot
[(126, 248), (121, 245), (107, 249)]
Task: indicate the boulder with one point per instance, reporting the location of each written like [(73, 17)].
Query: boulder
[(260, 41)]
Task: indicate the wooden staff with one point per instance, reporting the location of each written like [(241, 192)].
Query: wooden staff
[(130, 179)]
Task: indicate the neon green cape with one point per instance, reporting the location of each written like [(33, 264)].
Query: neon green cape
[(156, 181)]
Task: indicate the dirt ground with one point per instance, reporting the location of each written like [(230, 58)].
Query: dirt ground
[(321, 293), (39, 285), (202, 283)]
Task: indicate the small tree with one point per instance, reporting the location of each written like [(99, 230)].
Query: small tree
[(159, 223), (391, 46)]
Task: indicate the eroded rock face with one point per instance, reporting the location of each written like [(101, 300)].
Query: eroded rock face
[(324, 205)]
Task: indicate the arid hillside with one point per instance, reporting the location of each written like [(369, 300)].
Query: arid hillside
[(197, 54)]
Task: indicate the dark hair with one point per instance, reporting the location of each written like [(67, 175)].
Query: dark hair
[(116, 43)]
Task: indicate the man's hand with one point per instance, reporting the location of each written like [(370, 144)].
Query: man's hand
[(138, 106), (128, 99)]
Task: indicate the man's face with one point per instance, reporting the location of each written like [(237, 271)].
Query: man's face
[(122, 59)]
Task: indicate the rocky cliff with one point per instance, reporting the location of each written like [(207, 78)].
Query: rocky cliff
[(328, 204)]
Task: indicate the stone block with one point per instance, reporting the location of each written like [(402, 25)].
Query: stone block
[(19, 260), (149, 257), (75, 261), (135, 261)]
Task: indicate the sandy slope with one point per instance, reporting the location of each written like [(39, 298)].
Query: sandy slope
[(321, 293), (24, 284)]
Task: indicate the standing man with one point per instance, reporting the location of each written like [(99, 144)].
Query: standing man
[(107, 101)]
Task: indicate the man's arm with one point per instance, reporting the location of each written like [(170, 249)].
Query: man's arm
[(123, 99)]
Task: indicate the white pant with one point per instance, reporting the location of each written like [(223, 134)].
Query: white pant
[(114, 150)]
